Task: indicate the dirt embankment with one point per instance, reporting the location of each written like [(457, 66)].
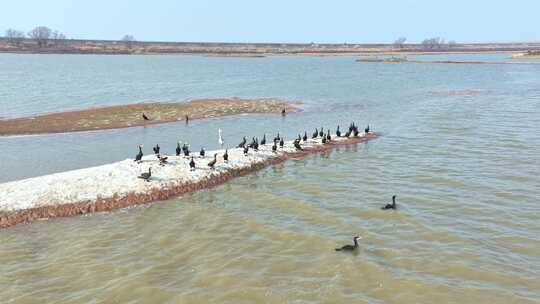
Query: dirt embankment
[(125, 116)]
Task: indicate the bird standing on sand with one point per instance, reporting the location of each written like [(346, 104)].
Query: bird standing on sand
[(305, 136), (323, 139), (321, 132), (192, 164), (139, 155), (328, 137), (391, 206), (202, 152), (274, 147), (256, 145), (243, 143), (213, 162), (277, 138), (338, 132), (178, 149), (185, 148), (350, 247), (162, 160), (226, 156), (145, 117), (315, 134), (246, 150), (281, 142), (297, 145), (156, 149), (146, 175), (220, 139), (366, 130), (263, 140)]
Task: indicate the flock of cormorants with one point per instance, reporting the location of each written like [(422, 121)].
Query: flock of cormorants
[(254, 145)]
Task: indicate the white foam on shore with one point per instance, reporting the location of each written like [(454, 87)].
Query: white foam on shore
[(121, 178)]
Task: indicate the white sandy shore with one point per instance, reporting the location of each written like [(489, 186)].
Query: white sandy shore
[(121, 178)]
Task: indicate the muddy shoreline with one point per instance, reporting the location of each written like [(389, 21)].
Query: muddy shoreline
[(130, 115), (11, 218)]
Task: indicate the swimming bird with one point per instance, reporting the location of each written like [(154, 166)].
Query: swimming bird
[(243, 143), (350, 247), (366, 130), (213, 162), (263, 140), (146, 175), (226, 156), (321, 133), (220, 139), (192, 164), (392, 205), (178, 149), (283, 112), (145, 117), (156, 149), (305, 136), (246, 150), (297, 145), (139, 155), (274, 147), (281, 142), (201, 153), (315, 134), (338, 132)]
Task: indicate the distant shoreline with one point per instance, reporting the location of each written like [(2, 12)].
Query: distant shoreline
[(130, 115), (106, 47)]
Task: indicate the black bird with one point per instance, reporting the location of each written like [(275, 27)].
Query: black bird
[(256, 145), (277, 138), (299, 138), (243, 143), (281, 143), (274, 147), (315, 134), (213, 162), (328, 137), (321, 133), (187, 119), (350, 247), (348, 134), (366, 130), (139, 155), (263, 141), (178, 149), (146, 175), (338, 132), (283, 112), (351, 127), (156, 149), (186, 152), (201, 153), (162, 160), (145, 117), (324, 139), (355, 132), (246, 150), (192, 164), (305, 136), (392, 205), (297, 145), (226, 156)]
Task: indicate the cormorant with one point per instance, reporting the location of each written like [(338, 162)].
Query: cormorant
[(350, 247), (243, 143), (192, 164), (283, 112), (162, 159), (246, 150), (338, 132), (256, 144), (277, 138), (315, 134), (178, 149), (213, 162), (324, 139), (139, 155), (321, 133), (226, 156), (145, 117), (297, 145), (201, 153), (146, 175), (263, 141), (156, 149), (187, 118), (186, 152), (392, 205), (366, 130), (274, 147), (281, 142), (355, 132), (305, 136), (328, 137), (348, 134)]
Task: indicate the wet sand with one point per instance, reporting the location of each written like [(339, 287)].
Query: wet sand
[(125, 116)]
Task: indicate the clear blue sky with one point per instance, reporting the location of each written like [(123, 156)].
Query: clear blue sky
[(336, 21)]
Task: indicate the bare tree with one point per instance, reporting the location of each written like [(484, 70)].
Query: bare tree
[(431, 43), (57, 37), (400, 42), (41, 35), (14, 37), (451, 44), (128, 40)]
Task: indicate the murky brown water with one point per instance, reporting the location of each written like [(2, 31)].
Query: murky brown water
[(465, 169)]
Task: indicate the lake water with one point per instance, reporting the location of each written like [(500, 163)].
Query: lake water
[(460, 149)]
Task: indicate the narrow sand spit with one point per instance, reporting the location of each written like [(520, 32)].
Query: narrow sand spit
[(125, 116), (116, 185)]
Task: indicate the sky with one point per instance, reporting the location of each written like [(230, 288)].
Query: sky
[(288, 21)]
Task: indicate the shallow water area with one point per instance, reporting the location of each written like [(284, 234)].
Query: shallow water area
[(463, 166)]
